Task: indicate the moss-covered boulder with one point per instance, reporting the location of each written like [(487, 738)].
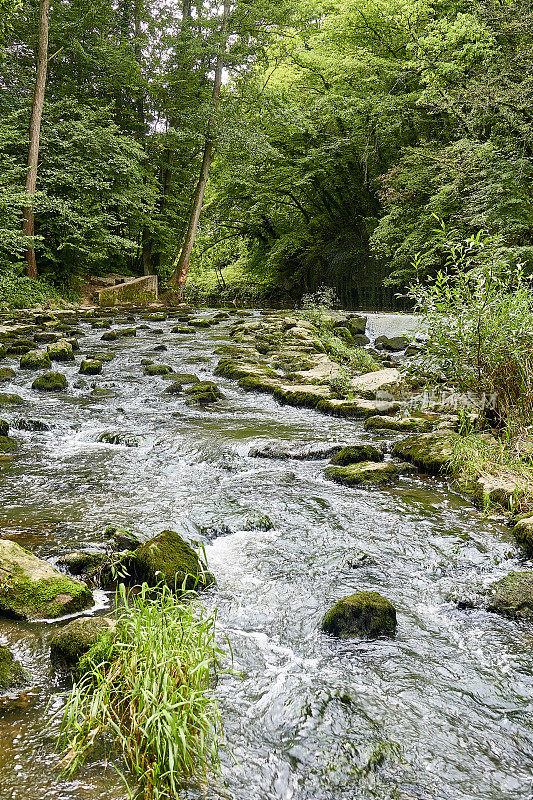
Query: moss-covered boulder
[(168, 558), (157, 369), (45, 337), (366, 473), (82, 562), (394, 343), (513, 595), (284, 451), (12, 673), (76, 638), (50, 382), (90, 367), (6, 374), (302, 396), (355, 453), (400, 424), (203, 393), (33, 425), (61, 351), (523, 535), (200, 323), (109, 336), (174, 388), (7, 400), (366, 614), (430, 452), (35, 359), (118, 538), (32, 589), (119, 437), (7, 444), (102, 355)]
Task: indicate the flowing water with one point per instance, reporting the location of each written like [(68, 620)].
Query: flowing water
[(442, 711)]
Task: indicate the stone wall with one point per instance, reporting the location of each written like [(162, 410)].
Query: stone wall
[(138, 291)]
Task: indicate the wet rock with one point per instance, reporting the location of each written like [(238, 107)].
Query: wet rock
[(100, 392), (160, 348), (366, 473), (360, 340), (523, 535), (185, 378), (61, 351), (109, 336), (118, 437), (168, 558), (355, 453), (76, 638), (31, 425), (4, 427), (156, 317), (513, 595), (258, 522), (430, 452), (493, 489), (7, 400), (357, 408), (367, 614), (103, 356), (45, 337), (284, 451), (73, 342), (118, 538), (81, 562), (33, 589), (6, 374), (35, 359), (7, 444), (302, 396), (400, 424), (214, 531), (157, 369), (12, 673), (203, 393), (124, 332), (393, 344), (378, 381), (174, 388), (181, 329), (200, 323), (50, 382), (90, 367)]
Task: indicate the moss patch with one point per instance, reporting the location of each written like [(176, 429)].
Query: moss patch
[(72, 641), (10, 400), (50, 382), (431, 452)]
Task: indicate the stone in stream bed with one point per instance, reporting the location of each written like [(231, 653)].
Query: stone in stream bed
[(6, 374), (110, 336), (356, 453), (169, 559), (304, 396), (284, 451), (12, 674), (358, 408), (4, 427), (90, 367), (45, 337), (400, 424), (523, 535), (174, 388), (181, 329), (31, 425), (256, 521), (118, 538), (32, 589), (366, 473), (50, 382), (7, 444), (119, 437), (102, 356), (76, 638), (512, 596), (82, 562), (7, 400), (203, 393), (100, 392), (61, 351), (367, 614), (431, 452), (157, 369), (35, 359)]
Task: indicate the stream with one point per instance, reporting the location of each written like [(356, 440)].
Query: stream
[(440, 712)]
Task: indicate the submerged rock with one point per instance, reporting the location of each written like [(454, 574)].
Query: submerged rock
[(81, 562), (118, 437), (355, 453), (283, 451), (362, 614), (73, 640), (35, 359), (90, 367), (168, 558), (7, 444), (50, 382), (366, 473), (12, 673), (258, 522), (513, 595), (33, 589), (31, 425)]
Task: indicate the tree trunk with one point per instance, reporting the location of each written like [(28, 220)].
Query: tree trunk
[(179, 276), (28, 226)]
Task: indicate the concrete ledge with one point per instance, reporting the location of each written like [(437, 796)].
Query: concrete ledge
[(140, 291)]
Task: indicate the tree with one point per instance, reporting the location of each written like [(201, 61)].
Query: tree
[(35, 131)]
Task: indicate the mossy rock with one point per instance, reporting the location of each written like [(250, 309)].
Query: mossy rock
[(6, 374), (61, 351), (401, 424), (118, 437), (125, 332), (7, 400), (100, 392), (512, 596), (50, 382), (367, 614), (168, 558), (35, 359), (12, 674), (523, 535), (33, 425), (174, 388), (156, 317), (103, 356), (109, 336), (181, 329), (185, 378), (203, 392), (157, 369), (229, 368), (32, 589), (430, 452), (7, 444), (90, 367), (356, 453), (200, 323), (258, 522), (81, 562), (4, 427), (3, 351), (118, 538), (256, 383), (76, 638), (366, 473), (301, 396)]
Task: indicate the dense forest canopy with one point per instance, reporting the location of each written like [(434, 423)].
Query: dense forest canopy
[(345, 135)]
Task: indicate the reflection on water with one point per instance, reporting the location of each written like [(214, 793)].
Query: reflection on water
[(442, 711)]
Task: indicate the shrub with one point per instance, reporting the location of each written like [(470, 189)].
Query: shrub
[(150, 685)]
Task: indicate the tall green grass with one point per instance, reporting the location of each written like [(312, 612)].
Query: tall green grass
[(150, 685)]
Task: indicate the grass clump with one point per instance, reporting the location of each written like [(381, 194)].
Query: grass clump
[(150, 685)]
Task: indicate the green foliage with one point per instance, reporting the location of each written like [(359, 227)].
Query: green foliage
[(478, 315), (18, 291), (150, 684)]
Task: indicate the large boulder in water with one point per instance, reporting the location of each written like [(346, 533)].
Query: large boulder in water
[(61, 351), (513, 595), (32, 589), (169, 559), (50, 382), (355, 453), (361, 614), (35, 359), (523, 534), (73, 640)]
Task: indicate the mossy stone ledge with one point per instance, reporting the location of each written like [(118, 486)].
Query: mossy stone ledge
[(366, 473), (366, 614), (430, 452), (354, 453), (12, 674), (400, 424), (76, 638), (50, 382), (168, 558), (31, 588)]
